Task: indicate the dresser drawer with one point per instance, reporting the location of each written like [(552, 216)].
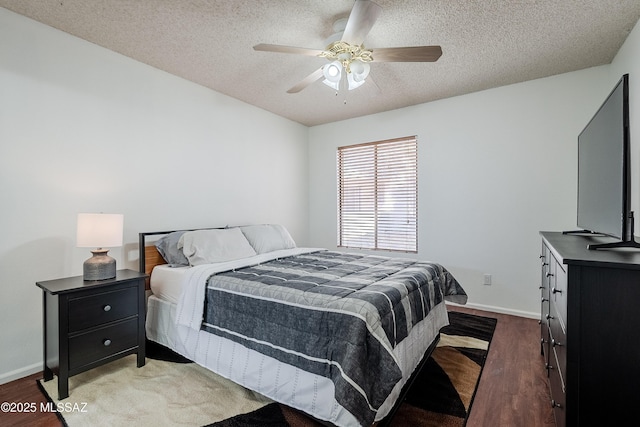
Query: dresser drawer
[(558, 295), (544, 311), (103, 342), (100, 308), (558, 360), (557, 398), (557, 345)]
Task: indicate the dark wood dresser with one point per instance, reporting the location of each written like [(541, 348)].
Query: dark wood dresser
[(90, 323), (590, 323)]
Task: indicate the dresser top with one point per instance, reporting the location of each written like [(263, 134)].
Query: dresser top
[(572, 249), (76, 283)]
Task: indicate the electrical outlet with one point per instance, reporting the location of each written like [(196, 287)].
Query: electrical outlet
[(487, 279)]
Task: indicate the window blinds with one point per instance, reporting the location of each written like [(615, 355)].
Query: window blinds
[(378, 195)]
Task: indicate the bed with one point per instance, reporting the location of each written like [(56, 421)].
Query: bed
[(337, 335)]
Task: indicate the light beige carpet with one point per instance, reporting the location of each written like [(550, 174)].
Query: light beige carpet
[(158, 394)]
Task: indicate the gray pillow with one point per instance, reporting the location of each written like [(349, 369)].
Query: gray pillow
[(218, 245), (268, 237), (168, 248)]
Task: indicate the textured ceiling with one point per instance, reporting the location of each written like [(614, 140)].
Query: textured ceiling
[(485, 44)]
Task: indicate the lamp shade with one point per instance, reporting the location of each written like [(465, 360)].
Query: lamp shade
[(97, 230)]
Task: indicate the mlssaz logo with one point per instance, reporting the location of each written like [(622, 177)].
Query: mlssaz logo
[(63, 407)]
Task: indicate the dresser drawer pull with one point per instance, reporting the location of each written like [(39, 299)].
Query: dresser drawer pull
[(544, 299), (554, 290), (107, 307), (549, 274), (548, 367), (548, 316), (106, 342), (544, 264), (555, 343), (555, 404)]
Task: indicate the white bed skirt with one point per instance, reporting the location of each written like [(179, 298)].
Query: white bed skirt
[(279, 381)]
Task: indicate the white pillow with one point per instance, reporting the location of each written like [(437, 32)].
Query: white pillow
[(268, 237), (220, 245)]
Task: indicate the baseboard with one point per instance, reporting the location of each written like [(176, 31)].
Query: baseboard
[(20, 373), (501, 310)]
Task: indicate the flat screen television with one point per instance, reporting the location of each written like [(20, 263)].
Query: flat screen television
[(604, 177)]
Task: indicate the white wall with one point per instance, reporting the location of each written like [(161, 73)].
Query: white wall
[(495, 168), (83, 129), (628, 61)]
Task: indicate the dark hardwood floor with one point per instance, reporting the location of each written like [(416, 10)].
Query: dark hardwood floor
[(513, 389)]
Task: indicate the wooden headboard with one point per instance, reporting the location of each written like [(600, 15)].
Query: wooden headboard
[(149, 255)]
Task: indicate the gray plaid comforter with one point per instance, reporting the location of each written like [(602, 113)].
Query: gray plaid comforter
[(335, 314)]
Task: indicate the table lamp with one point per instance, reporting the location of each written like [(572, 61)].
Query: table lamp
[(97, 230)]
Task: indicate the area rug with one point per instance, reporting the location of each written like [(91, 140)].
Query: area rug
[(444, 390), (165, 392), (441, 395), (161, 393)]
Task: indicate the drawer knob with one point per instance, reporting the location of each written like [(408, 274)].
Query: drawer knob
[(555, 290), (549, 274), (555, 404), (555, 343), (106, 342), (544, 299), (107, 307), (548, 316)]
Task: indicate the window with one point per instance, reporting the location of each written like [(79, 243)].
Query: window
[(378, 195)]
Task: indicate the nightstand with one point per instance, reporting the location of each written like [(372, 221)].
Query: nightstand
[(90, 323)]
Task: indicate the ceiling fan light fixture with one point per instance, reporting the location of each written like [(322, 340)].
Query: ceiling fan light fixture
[(350, 59), (352, 82), (358, 73), (332, 74), (360, 70), (333, 71), (332, 85)]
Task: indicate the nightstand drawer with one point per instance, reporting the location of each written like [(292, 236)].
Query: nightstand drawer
[(101, 308), (102, 342)]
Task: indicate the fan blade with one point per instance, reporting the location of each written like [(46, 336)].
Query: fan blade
[(407, 54), (311, 78), (287, 49), (361, 20)]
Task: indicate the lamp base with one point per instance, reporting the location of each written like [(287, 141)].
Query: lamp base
[(100, 266)]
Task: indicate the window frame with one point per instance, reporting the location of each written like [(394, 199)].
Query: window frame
[(380, 160)]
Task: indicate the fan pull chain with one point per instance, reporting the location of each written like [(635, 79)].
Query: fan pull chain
[(344, 101)]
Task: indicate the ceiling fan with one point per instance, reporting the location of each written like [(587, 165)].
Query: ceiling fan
[(349, 66)]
